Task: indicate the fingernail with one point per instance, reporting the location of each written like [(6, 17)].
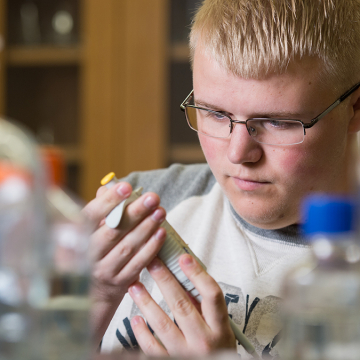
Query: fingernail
[(124, 190), (155, 265), (136, 289), (187, 260), (160, 233), (158, 216), (150, 202)]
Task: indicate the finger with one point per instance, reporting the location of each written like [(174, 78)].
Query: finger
[(105, 238), (146, 340), (142, 258), (213, 305), (122, 273), (133, 214), (187, 317), (138, 210), (101, 206), (195, 302), (107, 241), (166, 330), (101, 190)]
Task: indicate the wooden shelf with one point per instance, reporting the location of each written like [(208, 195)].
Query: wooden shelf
[(43, 55), (186, 153), (180, 52)]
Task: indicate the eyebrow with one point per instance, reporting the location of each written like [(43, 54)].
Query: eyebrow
[(207, 105), (270, 114)]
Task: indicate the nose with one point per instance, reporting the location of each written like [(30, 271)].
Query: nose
[(243, 148)]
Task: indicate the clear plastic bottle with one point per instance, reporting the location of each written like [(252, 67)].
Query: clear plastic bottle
[(322, 299), (65, 330), (23, 232)]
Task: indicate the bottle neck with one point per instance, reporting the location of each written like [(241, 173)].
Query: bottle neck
[(336, 250)]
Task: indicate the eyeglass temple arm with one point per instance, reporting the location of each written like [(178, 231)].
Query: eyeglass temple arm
[(182, 105), (332, 106)]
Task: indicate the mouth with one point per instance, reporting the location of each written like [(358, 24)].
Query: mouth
[(249, 184)]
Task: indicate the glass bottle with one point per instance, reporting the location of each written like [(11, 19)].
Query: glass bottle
[(321, 309), (23, 232)]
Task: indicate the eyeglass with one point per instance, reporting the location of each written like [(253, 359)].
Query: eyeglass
[(270, 131)]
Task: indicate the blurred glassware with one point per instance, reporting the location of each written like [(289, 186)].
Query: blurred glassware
[(44, 264), (63, 24), (23, 233), (30, 26), (322, 298), (65, 315)]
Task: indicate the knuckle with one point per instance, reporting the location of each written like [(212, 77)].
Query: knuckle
[(215, 295), (97, 275), (204, 346), (125, 250), (162, 276), (164, 325), (166, 279), (110, 234), (101, 276), (107, 277), (137, 267), (113, 281), (149, 346), (183, 307)]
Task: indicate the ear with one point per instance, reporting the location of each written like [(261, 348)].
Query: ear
[(354, 124)]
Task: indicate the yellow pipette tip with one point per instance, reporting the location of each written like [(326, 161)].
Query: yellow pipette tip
[(107, 178)]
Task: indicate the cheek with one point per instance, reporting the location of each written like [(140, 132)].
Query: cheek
[(295, 165), (305, 169), (212, 148), (293, 160)]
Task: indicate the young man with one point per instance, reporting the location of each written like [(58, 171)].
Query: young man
[(267, 75)]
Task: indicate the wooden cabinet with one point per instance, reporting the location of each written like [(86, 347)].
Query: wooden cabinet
[(183, 142), (109, 93), (124, 87), (99, 94)]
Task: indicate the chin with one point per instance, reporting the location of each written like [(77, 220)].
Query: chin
[(268, 219)]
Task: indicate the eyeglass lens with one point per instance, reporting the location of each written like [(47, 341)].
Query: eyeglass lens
[(265, 131)]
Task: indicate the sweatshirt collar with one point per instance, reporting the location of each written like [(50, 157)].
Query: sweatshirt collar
[(289, 234)]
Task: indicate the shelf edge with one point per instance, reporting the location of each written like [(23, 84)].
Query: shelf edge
[(43, 55)]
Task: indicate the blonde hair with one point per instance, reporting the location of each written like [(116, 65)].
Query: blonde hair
[(253, 38)]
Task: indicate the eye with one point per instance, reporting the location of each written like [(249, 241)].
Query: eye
[(275, 123), (280, 124), (252, 130), (215, 115)]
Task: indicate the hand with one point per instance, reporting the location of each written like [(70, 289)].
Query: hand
[(198, 333), (120, 254)]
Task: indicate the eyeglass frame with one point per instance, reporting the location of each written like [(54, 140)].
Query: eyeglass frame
[(313, 121)]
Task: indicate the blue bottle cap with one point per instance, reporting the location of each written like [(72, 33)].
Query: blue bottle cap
[(328, 214)]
